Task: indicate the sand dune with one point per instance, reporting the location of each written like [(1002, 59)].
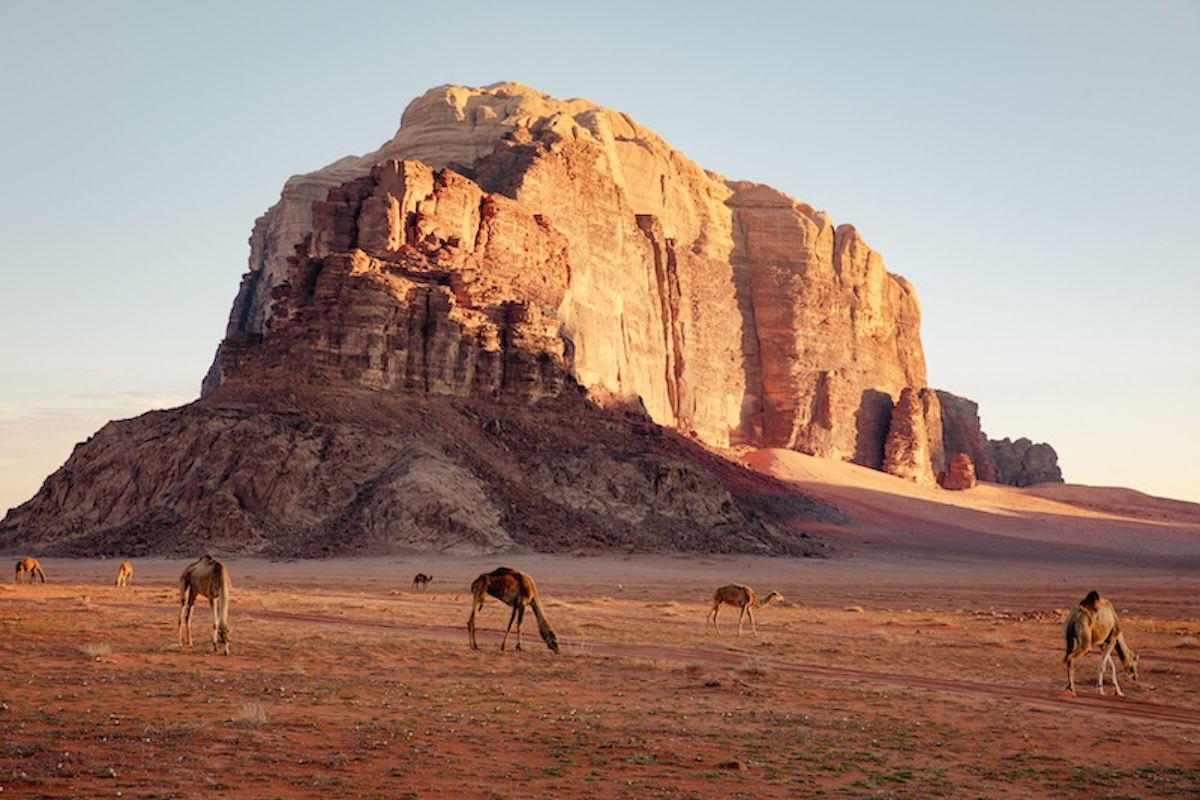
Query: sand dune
[(1049, 521)]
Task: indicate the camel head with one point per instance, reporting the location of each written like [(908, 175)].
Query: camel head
[(551, 638), (771, 598), (1131, 666)]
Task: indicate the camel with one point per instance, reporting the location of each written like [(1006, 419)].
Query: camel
[(209, 578), (517, 590), (740, 596), (421, 579), (1094, 623), (125, 573), (31, 568)]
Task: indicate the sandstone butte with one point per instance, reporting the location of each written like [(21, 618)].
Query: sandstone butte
[(525, 322)]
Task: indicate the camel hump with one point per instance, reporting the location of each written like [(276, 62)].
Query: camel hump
[(499, 571), (1093, 597)]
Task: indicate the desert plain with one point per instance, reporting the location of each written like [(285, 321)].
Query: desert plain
[(922, 659)]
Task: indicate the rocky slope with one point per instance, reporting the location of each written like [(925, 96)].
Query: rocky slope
[(522, 322), (310, 472)]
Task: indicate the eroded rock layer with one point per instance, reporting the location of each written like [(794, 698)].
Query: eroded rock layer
[(726, 309)]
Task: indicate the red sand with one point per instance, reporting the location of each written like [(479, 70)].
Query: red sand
[(925, 660)]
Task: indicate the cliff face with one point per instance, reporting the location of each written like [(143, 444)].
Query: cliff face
[(507, 220)]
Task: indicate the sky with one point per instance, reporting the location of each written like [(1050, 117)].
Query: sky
[(1033, 168)]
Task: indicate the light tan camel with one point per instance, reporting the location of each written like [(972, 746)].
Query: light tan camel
[(31, 568), (739, 596), (125, 573), (209, 578), (1094, 623), (517, 590), (421, 579)]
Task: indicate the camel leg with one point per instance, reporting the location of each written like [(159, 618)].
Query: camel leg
[(41, 576), (191, 607), (471, 625), (508, 630), (1107, 660), (520, 622), (1113, 665), (713, 615), (212, 602), (741, 616), (1105, 656), (1070, 660), (753, 626), (185, 620)]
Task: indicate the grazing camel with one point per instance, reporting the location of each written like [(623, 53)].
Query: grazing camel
[(31, 568), (125, 573), (209, 578), (1094, 623), (517, 590), (421, 579), (735, 594)]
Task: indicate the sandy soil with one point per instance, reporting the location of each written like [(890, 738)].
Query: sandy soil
[(923, 660), (881, 675)]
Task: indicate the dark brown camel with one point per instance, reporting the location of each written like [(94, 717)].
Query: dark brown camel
[(515, 589)]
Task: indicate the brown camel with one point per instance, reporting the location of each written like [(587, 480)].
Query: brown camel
[(517, 590), (739, 596), (421, 579), (125, 573), (209, 578), (1094, 623), (29, 568)]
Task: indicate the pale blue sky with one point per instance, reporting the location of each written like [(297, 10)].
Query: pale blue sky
[(1031, 167)]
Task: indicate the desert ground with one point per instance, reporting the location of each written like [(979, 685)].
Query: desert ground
[(924, 659)]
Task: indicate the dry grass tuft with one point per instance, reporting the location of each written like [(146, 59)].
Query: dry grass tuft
[(251, 715), (755, 667), (95, 650)]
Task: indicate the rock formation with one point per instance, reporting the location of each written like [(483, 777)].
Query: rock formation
[(1023, 463), (959, 475), (726, 309), (908, 452), (468, 340), (962, 433)]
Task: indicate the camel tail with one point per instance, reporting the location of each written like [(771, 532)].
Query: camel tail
[(1071, 632), (544, 628)]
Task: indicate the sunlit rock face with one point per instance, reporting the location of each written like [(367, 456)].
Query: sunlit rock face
[(508, 244), (959, 474)]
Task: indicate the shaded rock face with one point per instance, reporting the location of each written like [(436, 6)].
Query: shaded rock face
[(959, 475), (500, 220), (963, 433), (321, 474), (1023, 463)]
